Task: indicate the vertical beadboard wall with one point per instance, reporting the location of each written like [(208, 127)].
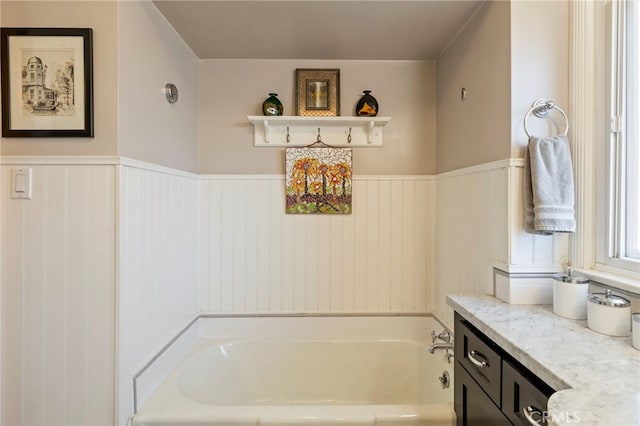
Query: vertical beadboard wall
[(259, 259), (528, 252), (480, 225), (57, 304), (471, 234), (158, 275), (178, 243)]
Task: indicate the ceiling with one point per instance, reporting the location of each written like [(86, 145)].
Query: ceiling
[(318, 29)]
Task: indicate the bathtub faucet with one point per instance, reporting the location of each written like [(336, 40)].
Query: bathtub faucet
[(443, 341), (444, 336), (445, 346)]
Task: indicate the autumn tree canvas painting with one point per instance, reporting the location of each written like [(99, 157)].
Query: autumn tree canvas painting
[(318, 180)]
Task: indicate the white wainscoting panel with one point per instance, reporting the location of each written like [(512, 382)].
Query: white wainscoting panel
[(471, 233), (259, 259), (172, 244), (57, 300), (479, 217), (531, 253), (158, 252)]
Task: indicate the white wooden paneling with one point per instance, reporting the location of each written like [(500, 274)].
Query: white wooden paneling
[(259, 259), (479, 225), (585, 107), (471, 233), (158, 274), (57, 285), (61, 250), (529, 252)]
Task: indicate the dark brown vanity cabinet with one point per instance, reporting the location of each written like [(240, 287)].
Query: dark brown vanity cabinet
[(490, 386), (524, 396), (472, 405)]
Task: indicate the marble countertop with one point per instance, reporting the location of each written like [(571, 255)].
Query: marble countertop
[(597, 377)]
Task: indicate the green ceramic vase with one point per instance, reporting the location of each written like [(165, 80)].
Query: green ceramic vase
[(272, 105)]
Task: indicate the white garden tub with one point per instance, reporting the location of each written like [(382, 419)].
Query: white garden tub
[(344, 379)]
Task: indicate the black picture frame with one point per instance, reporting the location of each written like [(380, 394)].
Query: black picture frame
[(47, 82)]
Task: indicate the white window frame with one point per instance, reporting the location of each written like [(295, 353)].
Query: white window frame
[(615, 141), (589, 247)]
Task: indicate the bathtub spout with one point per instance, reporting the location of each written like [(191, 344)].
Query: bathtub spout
[(444, 346)]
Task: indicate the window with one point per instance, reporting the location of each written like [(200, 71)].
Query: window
[(623, 151)]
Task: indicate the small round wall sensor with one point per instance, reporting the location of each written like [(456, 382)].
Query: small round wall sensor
[(171, 92)]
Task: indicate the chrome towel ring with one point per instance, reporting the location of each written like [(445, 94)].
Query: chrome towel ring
[(540, 109)]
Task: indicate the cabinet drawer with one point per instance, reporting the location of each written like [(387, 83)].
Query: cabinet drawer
[(472, 406), (523, 392), (479, 357)]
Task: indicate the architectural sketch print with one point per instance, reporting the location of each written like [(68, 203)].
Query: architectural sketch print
[(48, 82)]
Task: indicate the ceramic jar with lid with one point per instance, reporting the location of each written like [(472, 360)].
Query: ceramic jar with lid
[(609, 314), (570, 292)]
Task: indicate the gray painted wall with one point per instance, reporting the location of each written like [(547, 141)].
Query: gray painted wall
[(231, 89), (102, 17), (476, 130), (151, 54)]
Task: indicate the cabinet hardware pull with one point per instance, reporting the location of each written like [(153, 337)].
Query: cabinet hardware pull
[(529, 411), (481, 363)]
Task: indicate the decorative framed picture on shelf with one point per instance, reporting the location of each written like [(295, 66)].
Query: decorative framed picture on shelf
[(47, 82), (318, 92)]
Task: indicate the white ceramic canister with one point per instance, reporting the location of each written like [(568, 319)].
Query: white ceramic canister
[(609, 314), (635, 327), (570, 293)]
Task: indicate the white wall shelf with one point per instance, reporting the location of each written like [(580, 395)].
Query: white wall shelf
[(303, 131)]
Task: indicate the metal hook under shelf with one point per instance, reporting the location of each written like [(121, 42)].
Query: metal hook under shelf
[(301, 131), (319, 142)]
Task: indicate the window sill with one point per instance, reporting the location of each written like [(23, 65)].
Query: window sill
[(618, 281)]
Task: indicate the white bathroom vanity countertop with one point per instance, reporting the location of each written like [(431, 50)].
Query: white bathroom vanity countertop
[(597, 377)]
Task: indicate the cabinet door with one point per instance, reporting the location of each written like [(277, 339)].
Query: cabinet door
[(524, 398), (472, 405), (479, 356)]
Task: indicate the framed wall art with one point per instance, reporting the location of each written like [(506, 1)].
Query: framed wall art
[(47, 82), (318, 92), (318, 180)]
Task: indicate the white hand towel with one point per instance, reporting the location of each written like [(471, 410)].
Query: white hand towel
[(528, 198), (548, 186)]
